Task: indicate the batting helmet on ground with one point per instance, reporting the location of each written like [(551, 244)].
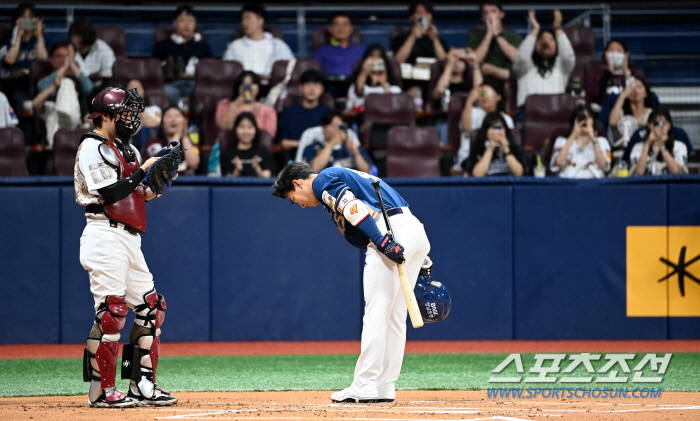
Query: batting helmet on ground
[(433, 300)]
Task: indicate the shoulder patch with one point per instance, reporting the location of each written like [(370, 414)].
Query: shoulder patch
[(328, 199)]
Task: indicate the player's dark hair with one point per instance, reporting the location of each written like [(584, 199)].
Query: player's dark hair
[(391, 77), (58, 44), (293, 171), (186, 9), (490, 3), (412, 6), (239, 82), (250, 117), (668, 144), (545, 64), (328, 117), (20, 9), (84, 29), (256, 8), (312, 76), (338, 14), (482, 135), (97, 121), (648, 101)]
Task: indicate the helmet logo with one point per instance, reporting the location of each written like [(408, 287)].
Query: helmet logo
[(431, 309), (435, 284)]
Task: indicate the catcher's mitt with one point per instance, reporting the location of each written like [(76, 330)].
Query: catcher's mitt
[(162, 173)]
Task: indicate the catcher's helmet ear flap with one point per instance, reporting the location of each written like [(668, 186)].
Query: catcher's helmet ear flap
[(433, 299)]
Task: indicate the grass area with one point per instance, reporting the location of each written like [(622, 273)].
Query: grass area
[(39, 377)]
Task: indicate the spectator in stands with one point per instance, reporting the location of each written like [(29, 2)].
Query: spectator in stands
[(660, 152), (490, 99), (455, 75), (63, 62), (544, 61), (173, 128), (581, 153), (337, 58), (244, 97), (495, 151), (257, 50), (296, 118), (180, 54), (632, 108), (618, 70), (247, 158), (150, 117), (94, 56), (332, 145), (374, 76), (494, 46), (8, 118), (25, 44), (69, 109), (423, 40)]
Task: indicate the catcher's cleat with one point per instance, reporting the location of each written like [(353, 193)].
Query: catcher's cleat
[(113, 399), (160, 397)]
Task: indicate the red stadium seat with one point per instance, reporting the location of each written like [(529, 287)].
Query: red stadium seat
[(413, 152), (273, 30), (226, 141), (294, 96), (320, 36), (279, 71), (454, 116), (385, 110), (12, 160), (542, 115), (582, 38), (114, 36), (38, 70), (213, 81), (148, 71), (65, 148)]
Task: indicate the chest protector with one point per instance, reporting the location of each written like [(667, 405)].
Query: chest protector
[(131, 210)]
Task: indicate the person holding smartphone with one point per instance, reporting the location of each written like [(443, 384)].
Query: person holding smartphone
[(374, 76), (494, 151), (244, 97), (581, 153), (25, 45), (660, 153), (423, 40)]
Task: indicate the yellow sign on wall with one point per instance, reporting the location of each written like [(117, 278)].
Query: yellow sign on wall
[(663, 271)]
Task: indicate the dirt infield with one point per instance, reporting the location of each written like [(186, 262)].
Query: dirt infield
[(169, 349), (409, 406)]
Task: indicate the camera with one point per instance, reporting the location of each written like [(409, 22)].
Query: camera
[(247, 92), (378, 66), (497, 126), (27, 23), (343, 127), (423, 20), (659, 124)]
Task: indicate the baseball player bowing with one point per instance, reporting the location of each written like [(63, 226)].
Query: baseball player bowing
[(351, 201), (114, 186)]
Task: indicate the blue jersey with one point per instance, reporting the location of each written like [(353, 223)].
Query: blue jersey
[(330, 185)]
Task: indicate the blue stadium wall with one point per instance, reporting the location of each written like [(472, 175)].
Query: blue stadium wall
[(523, 259)]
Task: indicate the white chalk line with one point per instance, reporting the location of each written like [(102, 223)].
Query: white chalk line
[(346, 418)]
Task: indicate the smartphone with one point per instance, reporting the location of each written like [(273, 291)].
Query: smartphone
[(378, 66), (247, 92), (343, 127), (423, 20), (659, 124), (497, 126), (28, 23)]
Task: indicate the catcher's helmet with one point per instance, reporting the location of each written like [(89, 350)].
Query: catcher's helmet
[(126, 104), (433, 300)]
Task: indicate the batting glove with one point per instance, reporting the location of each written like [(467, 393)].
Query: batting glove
[(391, 249), (427, 268)]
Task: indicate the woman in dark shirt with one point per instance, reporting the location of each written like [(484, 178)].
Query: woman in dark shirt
[(246, 157), (494, 151)]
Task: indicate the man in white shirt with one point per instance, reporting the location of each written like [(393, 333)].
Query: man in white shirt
[(257, 50), (94, 56)]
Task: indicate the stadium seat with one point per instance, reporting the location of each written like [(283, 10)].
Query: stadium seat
[(226, 140), (454, 116), (542, 115), (320, 36), (148, 71), (213, 81), (273, 30), (294, 96), (413, 152), (582, 38), (164, 31), (38, 70), (12, 160), (383, 111), (114, 36), (65, 148), (279, 71)]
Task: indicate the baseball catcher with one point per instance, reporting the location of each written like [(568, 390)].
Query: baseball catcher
[(111, 183)]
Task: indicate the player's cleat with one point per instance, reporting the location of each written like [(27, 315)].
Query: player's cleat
[(160, 397), (385, 400), (113, 399), (349, 395), (387, 393)]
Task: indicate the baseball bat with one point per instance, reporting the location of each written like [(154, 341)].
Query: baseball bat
[(408, 294)]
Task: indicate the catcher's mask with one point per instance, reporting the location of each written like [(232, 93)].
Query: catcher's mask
[(126, 104), (433, 299)]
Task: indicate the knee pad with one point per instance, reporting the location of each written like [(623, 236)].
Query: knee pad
[(152, 312), (114, 311)]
